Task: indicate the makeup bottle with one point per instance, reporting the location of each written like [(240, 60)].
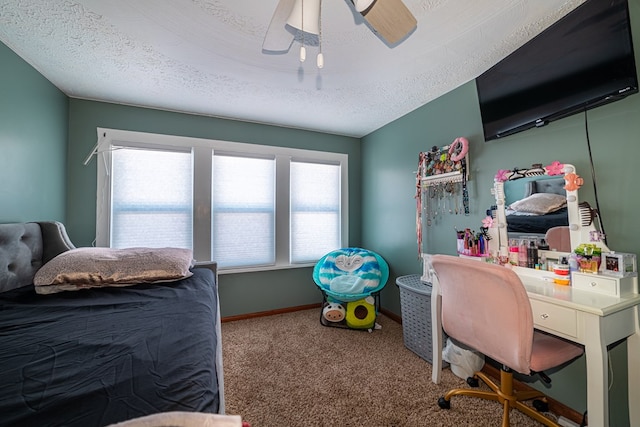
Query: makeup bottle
[(573, 262), (532, 254), (543, 261)]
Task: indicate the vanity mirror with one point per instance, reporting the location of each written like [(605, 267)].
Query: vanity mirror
[(531, 202)]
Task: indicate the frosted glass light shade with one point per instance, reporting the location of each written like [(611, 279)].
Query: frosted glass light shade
[(362, 5), (310, 22)]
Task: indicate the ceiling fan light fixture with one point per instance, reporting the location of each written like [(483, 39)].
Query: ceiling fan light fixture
[(307, 18)]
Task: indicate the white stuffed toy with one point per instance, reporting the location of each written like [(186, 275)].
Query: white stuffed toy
[(333, 312)]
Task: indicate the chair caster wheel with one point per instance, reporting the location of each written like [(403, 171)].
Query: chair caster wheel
[(541, 405), (473, 382), (444, 404)]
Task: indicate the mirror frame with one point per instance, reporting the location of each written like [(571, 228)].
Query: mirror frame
[(578, 233)]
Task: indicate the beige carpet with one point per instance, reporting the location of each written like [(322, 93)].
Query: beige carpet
[(288, 370)]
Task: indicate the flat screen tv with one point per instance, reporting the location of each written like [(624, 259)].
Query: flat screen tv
[(582, 61)]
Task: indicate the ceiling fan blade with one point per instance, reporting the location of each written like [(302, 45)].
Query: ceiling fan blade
[(277, 38), (390, 19)]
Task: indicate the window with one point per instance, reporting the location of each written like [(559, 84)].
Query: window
[(244, 210), (246, 206), (152, 199), (315, 210)]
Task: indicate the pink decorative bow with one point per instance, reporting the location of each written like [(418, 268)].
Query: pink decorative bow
[(574, 181)]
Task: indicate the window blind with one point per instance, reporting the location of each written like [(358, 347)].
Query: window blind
[(152, 196), (243, 210), (315, 210)]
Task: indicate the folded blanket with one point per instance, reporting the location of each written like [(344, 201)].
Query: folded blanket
[(183, 419)]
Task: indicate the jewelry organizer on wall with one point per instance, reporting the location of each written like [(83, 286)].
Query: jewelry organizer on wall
[(441, 184)]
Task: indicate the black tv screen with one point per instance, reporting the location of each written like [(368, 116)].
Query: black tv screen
[(582, 61)]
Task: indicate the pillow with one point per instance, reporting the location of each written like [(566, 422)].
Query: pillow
[(83, 268), (540, 203)]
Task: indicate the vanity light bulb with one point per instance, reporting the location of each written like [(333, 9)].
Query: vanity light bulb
[(303, 53)]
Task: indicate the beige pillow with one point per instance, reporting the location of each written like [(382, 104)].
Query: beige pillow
[(540, 203), (83, 268)]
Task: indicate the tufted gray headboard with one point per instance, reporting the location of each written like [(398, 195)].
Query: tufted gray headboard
[(554, 186), (25, 247)]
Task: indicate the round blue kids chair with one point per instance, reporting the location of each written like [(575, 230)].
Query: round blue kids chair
[(350, 280)]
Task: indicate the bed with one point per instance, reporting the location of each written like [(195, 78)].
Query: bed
[(534, 205), (537, 224), (102, 355)]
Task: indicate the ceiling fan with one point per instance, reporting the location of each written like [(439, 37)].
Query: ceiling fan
[(389, 19)]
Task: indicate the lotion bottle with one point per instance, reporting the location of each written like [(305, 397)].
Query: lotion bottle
[(513, 252)]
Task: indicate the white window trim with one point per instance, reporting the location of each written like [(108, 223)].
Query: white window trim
[(203, 150)]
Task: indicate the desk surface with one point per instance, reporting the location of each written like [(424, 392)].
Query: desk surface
[(541, 288)]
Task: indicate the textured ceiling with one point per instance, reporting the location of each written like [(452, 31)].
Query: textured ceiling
[(205, 56)]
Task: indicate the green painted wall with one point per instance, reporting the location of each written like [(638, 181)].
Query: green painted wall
[(239, 293), (389, 182), (33, 143), (390, 159)]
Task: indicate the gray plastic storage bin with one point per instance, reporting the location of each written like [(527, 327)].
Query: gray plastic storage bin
[(415, 301)]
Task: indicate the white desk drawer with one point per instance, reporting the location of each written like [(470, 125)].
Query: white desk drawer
[(615, 286), (554, 318)]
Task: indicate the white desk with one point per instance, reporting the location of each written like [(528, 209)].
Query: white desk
[(587, 318)]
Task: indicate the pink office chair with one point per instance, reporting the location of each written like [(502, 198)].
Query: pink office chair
[(485, 306), (559, 238)]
